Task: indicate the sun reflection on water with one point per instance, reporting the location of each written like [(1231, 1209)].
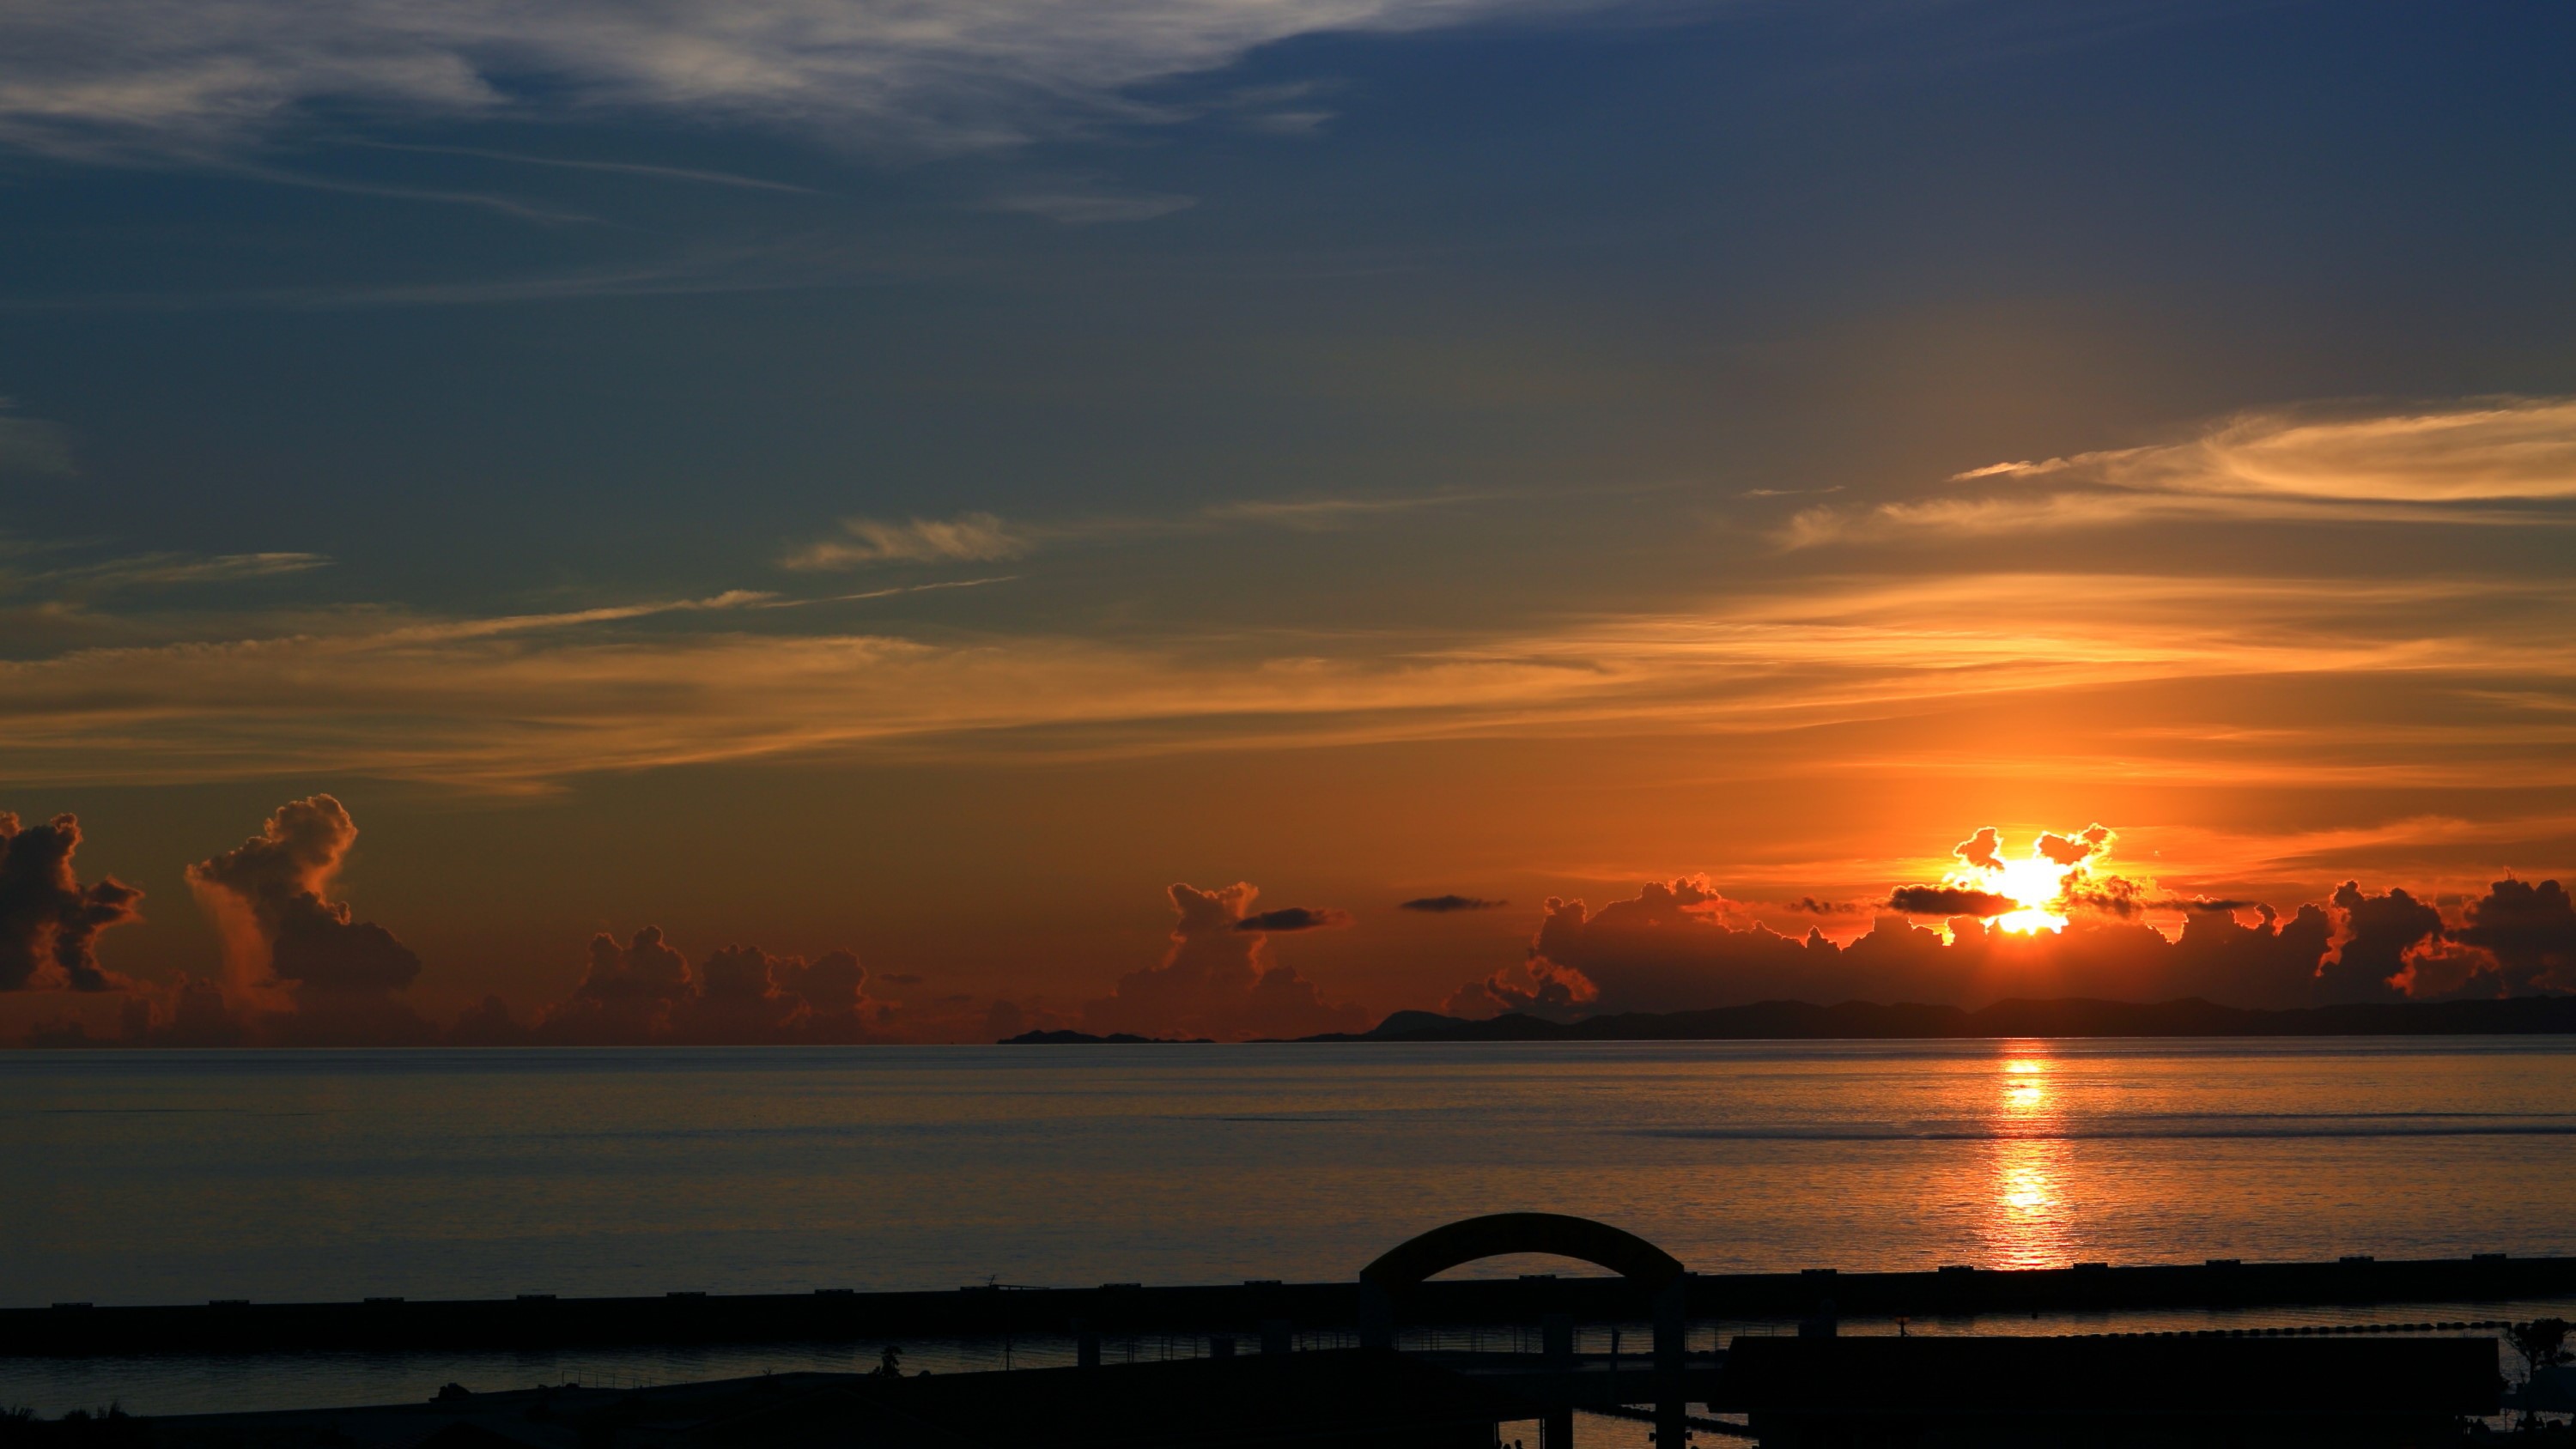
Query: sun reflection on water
[(2029, 1222)]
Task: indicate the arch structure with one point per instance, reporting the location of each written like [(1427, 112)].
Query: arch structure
[(1556, 1234)]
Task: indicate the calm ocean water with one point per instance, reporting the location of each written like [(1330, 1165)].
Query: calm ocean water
[(144, 1177)]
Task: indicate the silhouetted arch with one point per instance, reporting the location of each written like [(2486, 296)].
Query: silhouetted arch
[(1495, 1234)]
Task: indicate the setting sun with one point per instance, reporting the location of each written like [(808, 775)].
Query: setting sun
[(2036, 883)]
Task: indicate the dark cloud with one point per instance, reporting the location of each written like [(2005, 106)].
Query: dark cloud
[(1442, 905), (1294, 918), (2380, 934), (1217, 981), (49, 921), (2529, 931), (1544, 988), (1674, 947), (643, 990), (1810, 906), (1924, 900)]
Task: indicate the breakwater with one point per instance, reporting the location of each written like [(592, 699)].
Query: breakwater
[(835, 1315)]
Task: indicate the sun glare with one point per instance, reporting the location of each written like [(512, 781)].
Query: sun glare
[(2033, 882)]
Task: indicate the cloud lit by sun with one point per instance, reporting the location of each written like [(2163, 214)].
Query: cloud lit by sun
[(2040, 886)]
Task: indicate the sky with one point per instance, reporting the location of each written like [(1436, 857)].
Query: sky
[(859, 520)]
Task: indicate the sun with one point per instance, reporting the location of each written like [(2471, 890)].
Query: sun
[(2035, 882), (2040, 884)]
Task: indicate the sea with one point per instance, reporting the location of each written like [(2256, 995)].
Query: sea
[(175, 1177)]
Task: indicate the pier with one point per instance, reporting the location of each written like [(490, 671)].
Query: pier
[(543, 1321), (1811, 1389)]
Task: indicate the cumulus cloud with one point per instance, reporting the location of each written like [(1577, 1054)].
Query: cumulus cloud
[(643, 990), (1217, 980), (179, 75), (2529, 933), (288, 945), (972, 537), (2380, 934), (2071, 850), (1442, 905), (1983, 850), (1678, 946), (1663, 951), (49, 921), (1540, 988)]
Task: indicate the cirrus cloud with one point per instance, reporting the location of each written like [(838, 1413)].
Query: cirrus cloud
[(2501, 462), (195, 77)]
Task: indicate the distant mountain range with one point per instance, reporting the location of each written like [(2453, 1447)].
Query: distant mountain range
[(1869, 1021)]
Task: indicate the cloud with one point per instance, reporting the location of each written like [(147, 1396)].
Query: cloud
[(1922, 900), (2529, 933), (49, 921), (1442, 905), (288, 944), (32, 445), (1668, 949), (972, 537), (185, 77), (520, 702), (2516, 449), (983, 536), (162, 570), (689, 175), (2380, 934), (1088, 206), (1543, 989), (1294, 918), (2497, 463), (2072, 850), (644, 991), (1217, 981), (1983, 850)]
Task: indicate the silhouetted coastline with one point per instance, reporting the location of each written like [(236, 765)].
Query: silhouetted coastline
[(1084, 1038), (1870, 1021)]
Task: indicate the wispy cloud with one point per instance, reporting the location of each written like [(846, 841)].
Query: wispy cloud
[(191, 77), (684, 174), (976, 537), (436, 196), (520, 701), (1091, 206), (32, 445), (971, 537), (153, 570), (2496, 464)]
